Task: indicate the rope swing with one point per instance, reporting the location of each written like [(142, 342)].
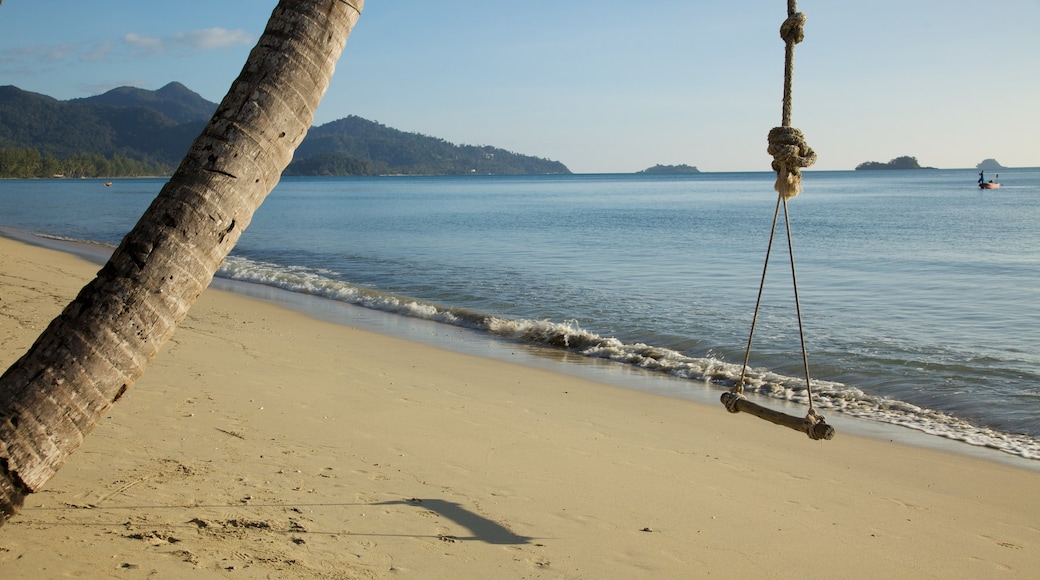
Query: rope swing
[(790, 154)]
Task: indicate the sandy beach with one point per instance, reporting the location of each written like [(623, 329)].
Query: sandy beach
[(266, 444)]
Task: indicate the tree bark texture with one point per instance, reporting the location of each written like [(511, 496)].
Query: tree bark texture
[(53, 396)]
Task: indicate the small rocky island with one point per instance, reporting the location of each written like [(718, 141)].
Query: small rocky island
[(683, 168), (990, 165), (904, 162)]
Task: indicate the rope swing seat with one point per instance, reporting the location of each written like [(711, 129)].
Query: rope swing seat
[(790, 155)]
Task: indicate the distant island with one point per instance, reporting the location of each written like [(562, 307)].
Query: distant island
[(130, 132), (671, 169), (905, 162), (990, 165)]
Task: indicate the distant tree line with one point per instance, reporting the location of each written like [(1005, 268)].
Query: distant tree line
[(29, 163), (682, 168), (330, 164)]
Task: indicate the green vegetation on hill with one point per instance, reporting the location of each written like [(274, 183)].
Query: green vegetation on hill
[(897, 163), (357, 146), (683, 168), (69, 130), (174, 100), (129, 131), (29, 163)]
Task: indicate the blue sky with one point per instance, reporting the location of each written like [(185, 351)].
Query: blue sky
[(603, 86)]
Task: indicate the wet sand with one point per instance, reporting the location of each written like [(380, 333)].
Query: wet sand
[(266, 444)]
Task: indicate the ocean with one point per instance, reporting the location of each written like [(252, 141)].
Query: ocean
[(919, 292)]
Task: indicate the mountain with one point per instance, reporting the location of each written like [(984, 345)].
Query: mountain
[(150, 131), (990, 165), (67, 128), (354, 145), (174, 100)]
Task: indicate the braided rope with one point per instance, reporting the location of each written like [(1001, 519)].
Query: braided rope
[(786, 144), (790, 155), (812, 419)]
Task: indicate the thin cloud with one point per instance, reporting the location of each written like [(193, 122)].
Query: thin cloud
[(39, 59), (40, 53), (97, 52), (211, 39), (145, 44), (131, 45), (194, 40)]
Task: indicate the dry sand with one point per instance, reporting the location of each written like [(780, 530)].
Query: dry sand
[(266, 444)]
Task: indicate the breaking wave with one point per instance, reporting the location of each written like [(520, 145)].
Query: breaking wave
[(569, 336)]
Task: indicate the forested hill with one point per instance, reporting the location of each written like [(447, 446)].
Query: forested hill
[(131, 131), (358, 146), (175, 100), (42, 136)]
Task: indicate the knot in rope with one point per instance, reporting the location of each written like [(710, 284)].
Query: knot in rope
[(815, 426), (793, 29), (790, 154), (731, 398)]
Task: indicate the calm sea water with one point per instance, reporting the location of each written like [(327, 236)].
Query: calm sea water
[(920, 293)]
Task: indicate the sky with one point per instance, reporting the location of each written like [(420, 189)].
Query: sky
[(603, 86)]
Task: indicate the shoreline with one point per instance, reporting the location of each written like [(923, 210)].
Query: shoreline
[(473, 342), (263, 441)]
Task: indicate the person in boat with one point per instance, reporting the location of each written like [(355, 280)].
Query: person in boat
[(992, 184)]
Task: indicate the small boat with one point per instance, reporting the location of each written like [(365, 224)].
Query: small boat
[(991, 184), (108, 184)]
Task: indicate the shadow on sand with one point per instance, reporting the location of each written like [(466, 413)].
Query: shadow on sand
[(481, 528)]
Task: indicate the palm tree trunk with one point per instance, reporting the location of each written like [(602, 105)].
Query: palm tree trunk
[(53, 396)]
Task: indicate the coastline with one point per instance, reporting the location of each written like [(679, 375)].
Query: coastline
[(267, 442), (464, 340)]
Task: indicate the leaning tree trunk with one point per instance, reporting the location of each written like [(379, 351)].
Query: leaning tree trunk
[(53, 396)]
